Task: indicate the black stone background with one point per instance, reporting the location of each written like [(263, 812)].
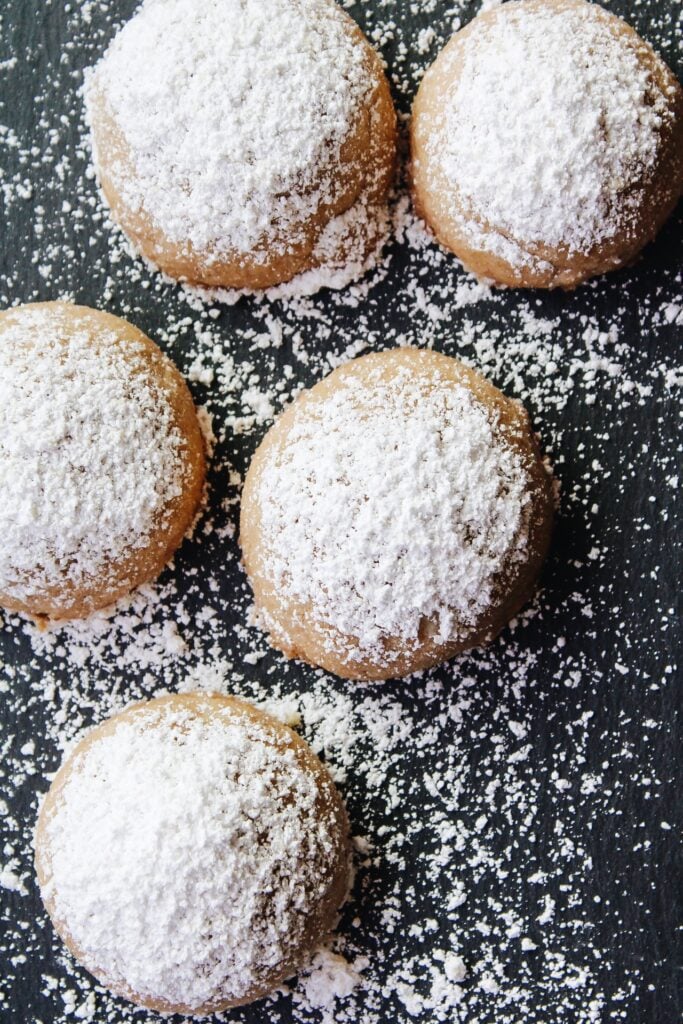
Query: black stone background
[(637, 918)]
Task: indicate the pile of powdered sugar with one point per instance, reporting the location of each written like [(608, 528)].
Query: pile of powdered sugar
[(552, 128), (392, 502), (90, 456), (185, 853), (235, 114)]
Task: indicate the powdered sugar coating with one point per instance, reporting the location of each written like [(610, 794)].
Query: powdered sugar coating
[(186, 853), (417, 787), (393, 502), (235, 113), (552, 129), (90, 455)]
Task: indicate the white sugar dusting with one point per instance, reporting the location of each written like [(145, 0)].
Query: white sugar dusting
[(348, 233), (557, 155), (489, 799), (237, 151), (391, 503), (90, 456), (240, 848)]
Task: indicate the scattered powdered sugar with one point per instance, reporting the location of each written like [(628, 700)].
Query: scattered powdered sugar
[(10, 880), (556, 155), (184, 854), (392, 502), (329, 977), (481, 791), (236, 151), (89, 451)]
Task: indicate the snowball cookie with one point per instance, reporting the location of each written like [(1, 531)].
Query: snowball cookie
[(396, 514), (192, 852), (240, 143), (101, 459), (547, 143)]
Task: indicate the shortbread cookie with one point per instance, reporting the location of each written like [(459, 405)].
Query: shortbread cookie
[(547, 143), (240, 143), (192, 852), (101, 459), (396, 514)]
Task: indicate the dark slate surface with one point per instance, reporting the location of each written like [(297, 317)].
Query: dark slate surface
[(632, 890)]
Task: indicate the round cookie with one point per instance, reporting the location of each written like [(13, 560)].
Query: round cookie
[(547, 144), (396, 514), (192, 852), (240, 143), (101, 459)]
